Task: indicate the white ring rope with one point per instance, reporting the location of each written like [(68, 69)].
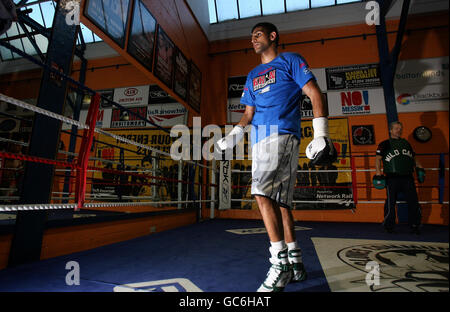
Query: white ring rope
[(41, 111), (31, 207), (343, 170), (70, 121), (80, 125), (342, 201)]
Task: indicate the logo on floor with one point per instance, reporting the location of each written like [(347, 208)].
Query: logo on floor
[(261, 230), (400, 266), (167, 285)]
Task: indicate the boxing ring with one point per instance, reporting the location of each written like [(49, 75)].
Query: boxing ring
[(195, 261), (211, 254)]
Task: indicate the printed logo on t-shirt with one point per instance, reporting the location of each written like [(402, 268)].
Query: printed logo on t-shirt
[(265, 79)]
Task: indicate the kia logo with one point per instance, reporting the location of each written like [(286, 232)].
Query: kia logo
[(131, 91)]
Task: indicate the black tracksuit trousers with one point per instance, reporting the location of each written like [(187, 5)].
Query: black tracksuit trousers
[(405, 185)]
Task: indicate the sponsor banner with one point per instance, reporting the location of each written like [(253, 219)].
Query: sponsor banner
[(321, 78), (159, 96), (353, 77), (315, 185), (422, 85), (108, 94), (132, 96), (234, 110), (125, 119), (356, 102), (236, 86), (306, 106), (167, 115), (225, 185), (234, 107), (103, 118)]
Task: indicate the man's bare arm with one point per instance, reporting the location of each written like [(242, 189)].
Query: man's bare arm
[(312, 90), (247, 117), (378, 165)]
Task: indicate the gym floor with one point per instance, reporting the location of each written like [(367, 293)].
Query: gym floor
[(224, 255)]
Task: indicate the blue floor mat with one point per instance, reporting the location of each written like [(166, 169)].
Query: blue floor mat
[(204, 254)]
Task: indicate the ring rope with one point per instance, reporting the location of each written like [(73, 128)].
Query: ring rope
[(6, 208), (84, 126), (343, 201), (42, 111), (70, 79)]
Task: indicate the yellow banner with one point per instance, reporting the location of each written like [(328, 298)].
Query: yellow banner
[(136, 161)]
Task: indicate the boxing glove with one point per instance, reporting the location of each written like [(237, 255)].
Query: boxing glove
[(321, 150), (420, 174), (379, 182)]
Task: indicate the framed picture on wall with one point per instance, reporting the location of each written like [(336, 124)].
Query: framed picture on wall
[(110, 16), (142, 35), (164, 58), (181, 75), (195, 87)]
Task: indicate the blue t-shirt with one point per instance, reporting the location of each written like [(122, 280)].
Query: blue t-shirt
[(275, 89)]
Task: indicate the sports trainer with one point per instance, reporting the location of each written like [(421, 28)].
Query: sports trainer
[(399, 161)]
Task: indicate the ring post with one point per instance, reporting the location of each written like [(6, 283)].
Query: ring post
[(180, 186), (213, 190), (354, 181), (441, 177), (85, 150)]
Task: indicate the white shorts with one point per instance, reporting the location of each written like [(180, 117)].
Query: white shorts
[(274, 168)]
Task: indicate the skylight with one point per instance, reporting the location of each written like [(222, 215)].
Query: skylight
[(225, 10), (42, 13)]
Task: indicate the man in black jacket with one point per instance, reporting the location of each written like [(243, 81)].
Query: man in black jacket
[(399, 161)]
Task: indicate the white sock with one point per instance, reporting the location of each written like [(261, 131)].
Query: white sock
[(278, 246), (293, 245), (296, 256)]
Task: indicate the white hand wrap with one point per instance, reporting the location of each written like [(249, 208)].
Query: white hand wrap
[(231, 139), (320, 126)]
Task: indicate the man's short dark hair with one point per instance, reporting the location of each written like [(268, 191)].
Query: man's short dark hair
[(268, 28), (392, 124)]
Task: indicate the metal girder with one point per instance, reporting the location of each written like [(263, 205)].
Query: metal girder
[(37, 178), (389, 59), (24, 19), (32, 41)]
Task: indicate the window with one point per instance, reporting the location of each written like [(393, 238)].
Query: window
[(42, 13), (225, 10)]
